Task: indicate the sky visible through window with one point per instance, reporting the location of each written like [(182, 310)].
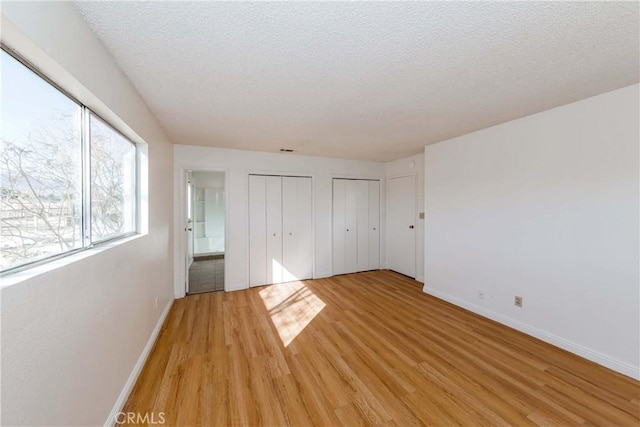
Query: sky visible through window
[(41, 210), (28, 101)]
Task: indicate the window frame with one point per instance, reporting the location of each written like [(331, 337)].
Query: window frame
[(85, 180)]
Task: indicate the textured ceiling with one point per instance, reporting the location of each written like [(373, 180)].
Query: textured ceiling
[(375, 81)]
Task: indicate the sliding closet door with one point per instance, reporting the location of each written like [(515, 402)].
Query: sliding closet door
[(274, 229), (297, 250), (305, 229), (356, 225), (289, 228), (257, 230), (362, 220), (339, 226), (351, 219), (374, 225)]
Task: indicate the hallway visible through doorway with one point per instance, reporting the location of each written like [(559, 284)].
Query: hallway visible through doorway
[(205, 231), (206, 274)]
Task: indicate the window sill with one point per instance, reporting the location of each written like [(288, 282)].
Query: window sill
[(13, 278)]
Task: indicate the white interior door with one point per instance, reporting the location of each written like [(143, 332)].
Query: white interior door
[(339, 226), (289, 228), (374, 225), (297, 251), (305, 229), (362, 206), (351, 219), (401, 238), (274, 229), (257, 230)]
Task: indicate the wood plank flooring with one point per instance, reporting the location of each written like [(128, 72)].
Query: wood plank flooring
[(364, 349)]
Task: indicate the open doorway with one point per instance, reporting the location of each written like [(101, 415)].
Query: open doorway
[(206, 226)]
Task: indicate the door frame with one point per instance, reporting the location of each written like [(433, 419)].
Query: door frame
[(180, 211), (415, 218), (189, 227)]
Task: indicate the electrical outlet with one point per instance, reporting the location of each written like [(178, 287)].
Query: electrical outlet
[(480, 294), (156, 303), (517, 301)]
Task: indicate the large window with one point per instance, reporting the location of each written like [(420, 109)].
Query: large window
[(67, 179)]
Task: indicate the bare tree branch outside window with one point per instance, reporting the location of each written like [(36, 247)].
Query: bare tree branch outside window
[(41, 172), (112, 190), (40, 206)]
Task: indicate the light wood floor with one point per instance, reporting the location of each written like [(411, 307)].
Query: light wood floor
[(365, 349)]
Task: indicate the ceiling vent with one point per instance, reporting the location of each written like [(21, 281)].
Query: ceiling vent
[(286, 150)]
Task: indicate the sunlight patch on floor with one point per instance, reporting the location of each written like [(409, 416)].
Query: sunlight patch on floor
[(292, 307)]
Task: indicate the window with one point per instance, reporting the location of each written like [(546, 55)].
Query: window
[(59, 191), (113, 196)]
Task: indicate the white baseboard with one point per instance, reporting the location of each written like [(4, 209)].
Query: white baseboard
[(236, 287), (323, 275), (128, 386), (587, 353)]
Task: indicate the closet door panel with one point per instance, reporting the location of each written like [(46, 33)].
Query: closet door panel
[(290, 256), (351, 215), (339, 226), (305, 229), (257, 231), (374, 225), (362, 206), (274, 229)]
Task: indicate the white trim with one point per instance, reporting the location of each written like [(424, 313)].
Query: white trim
[(402, 175), (358, 177), (128, 386), (323, 275), (279, 173), (570, 346), (189, 206)]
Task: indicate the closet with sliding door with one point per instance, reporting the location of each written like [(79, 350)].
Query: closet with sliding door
[(280, 229), (356, 225)]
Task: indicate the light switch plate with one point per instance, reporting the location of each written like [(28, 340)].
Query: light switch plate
[(421, 215)]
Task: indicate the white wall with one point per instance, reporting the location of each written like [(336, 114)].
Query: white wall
[(72, 335), (208, 179), (413, 165), (544, 207), (238, 165)]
